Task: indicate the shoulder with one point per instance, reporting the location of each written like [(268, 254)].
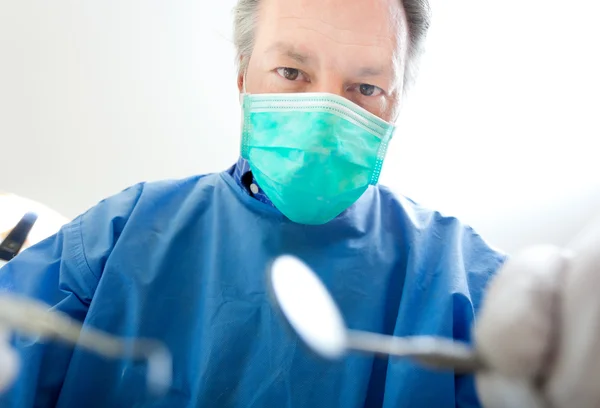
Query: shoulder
[(445, 258), (136, 210), (156, 196), (425, 222), (433, 235)]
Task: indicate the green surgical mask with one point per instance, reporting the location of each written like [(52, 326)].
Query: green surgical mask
[(313, 154)]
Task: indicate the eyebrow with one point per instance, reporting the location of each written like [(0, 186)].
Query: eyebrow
[(370, 72), (291, 51)]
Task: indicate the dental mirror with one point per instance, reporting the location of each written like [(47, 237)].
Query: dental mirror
[(312, 313), (30, 317)]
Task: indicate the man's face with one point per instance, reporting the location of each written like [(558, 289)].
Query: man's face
[(352, 48)]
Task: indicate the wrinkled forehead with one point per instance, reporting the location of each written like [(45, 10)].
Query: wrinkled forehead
[(336, 31)]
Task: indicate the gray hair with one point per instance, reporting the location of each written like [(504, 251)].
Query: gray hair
[(418, 16)]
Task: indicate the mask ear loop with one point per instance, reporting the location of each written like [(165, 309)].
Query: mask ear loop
[(244, 119)]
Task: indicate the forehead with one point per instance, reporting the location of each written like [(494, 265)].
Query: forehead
[(359, 29)]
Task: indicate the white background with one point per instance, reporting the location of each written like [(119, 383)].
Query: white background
[(502, 129)]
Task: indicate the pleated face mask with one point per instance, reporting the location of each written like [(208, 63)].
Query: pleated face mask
[(313, 154)]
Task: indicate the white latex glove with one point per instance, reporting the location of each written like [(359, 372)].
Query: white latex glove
[(539, 329)]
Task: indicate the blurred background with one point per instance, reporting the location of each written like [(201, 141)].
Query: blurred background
[(501, 129)]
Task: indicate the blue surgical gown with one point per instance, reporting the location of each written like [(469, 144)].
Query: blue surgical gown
[(184, 262)]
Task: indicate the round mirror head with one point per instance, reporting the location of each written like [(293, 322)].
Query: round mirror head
[(308, 306)]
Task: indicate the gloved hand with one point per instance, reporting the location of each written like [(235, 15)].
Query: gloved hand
[(539, 329)]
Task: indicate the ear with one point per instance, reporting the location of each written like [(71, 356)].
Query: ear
[(240, 81), (243, 67)]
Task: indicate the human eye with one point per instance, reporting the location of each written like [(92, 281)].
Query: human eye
[(369, 90), (291, 74)]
